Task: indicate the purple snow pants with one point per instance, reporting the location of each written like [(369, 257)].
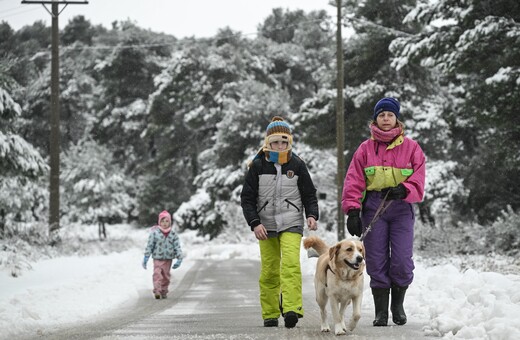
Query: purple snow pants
[(389, 244)]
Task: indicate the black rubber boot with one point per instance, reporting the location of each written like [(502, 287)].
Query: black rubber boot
[(381, 297), (291, 319), (271, 323), (398, 314)]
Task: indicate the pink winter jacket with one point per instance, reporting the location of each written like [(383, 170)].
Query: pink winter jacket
[(376, 166)]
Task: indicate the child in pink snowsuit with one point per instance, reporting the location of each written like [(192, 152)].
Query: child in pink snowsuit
[(164, 246)]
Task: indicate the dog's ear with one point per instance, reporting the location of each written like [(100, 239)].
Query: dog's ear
[(333, 251)]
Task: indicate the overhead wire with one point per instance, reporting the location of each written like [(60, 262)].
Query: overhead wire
[(233, 35), (20, 10), (165, 44)]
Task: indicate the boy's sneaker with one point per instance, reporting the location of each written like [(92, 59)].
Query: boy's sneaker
[(271, 323), (291, 319), (164, 296), (157, 296)]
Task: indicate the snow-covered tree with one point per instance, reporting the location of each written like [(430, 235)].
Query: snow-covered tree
[(95, 189), (21, 165), (300, 48), (183, 117), (472, 48)]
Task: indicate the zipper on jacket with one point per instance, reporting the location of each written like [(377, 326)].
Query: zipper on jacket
[(263, 206), (291, 203)]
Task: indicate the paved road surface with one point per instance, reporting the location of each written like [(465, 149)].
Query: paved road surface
[(219, 300)]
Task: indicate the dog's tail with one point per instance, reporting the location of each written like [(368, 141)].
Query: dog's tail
[(316, 243)]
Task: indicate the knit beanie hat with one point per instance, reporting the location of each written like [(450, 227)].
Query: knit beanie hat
[(278, 130), (387, 104), (164, 214)]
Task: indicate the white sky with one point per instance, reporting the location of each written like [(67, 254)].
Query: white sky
[(201, 18), (449, 302)]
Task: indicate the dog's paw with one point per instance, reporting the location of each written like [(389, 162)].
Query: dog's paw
[(352, 324), (339, 330), (325, 329)]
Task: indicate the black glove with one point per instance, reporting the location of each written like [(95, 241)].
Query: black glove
[(354, 222), (396, 193)]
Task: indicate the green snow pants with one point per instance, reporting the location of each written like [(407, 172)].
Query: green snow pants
[(281, 276)]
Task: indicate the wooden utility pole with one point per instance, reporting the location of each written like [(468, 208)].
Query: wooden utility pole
[(340, 123), (54, 139)]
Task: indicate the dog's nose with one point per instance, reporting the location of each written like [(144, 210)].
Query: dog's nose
[(359, 259)]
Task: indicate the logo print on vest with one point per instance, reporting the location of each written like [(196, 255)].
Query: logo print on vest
[(290, 174)]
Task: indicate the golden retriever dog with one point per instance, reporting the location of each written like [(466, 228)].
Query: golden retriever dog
[(338, 278)]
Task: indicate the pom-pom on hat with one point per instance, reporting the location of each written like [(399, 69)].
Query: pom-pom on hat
[(387, 104), (164, 214), (278, 130)]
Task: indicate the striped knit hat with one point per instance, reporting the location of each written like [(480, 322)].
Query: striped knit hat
[(278, 130)]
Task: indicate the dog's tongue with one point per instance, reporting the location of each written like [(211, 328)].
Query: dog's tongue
[(352, 265)]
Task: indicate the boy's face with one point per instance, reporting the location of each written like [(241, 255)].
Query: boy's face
[(279, 145), (165, 223)]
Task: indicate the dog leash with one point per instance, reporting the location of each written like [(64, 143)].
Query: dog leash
[(380, 210)]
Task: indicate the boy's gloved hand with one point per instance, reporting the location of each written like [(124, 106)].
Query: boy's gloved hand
[(354, 222), (177, 264), (145, 261)]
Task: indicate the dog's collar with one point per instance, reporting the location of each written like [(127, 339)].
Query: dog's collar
[(326, 270), (330, 268)]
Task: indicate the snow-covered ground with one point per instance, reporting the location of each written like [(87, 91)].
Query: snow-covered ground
[(453, 302)]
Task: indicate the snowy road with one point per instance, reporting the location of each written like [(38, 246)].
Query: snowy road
[(215, 295), (218, 299)]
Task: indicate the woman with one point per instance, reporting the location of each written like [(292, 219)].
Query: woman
[(277, 191), (387, 167)]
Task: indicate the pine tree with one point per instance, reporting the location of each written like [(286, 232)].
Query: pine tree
[(472, 48), (96, 189), (21, 165)]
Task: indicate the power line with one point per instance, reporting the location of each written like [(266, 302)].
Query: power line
[(117, 47), (380, 27), (21, 11), (11, 9), (165, 44)]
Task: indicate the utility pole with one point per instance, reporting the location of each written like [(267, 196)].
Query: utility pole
[(54, 139), (340, 123)]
